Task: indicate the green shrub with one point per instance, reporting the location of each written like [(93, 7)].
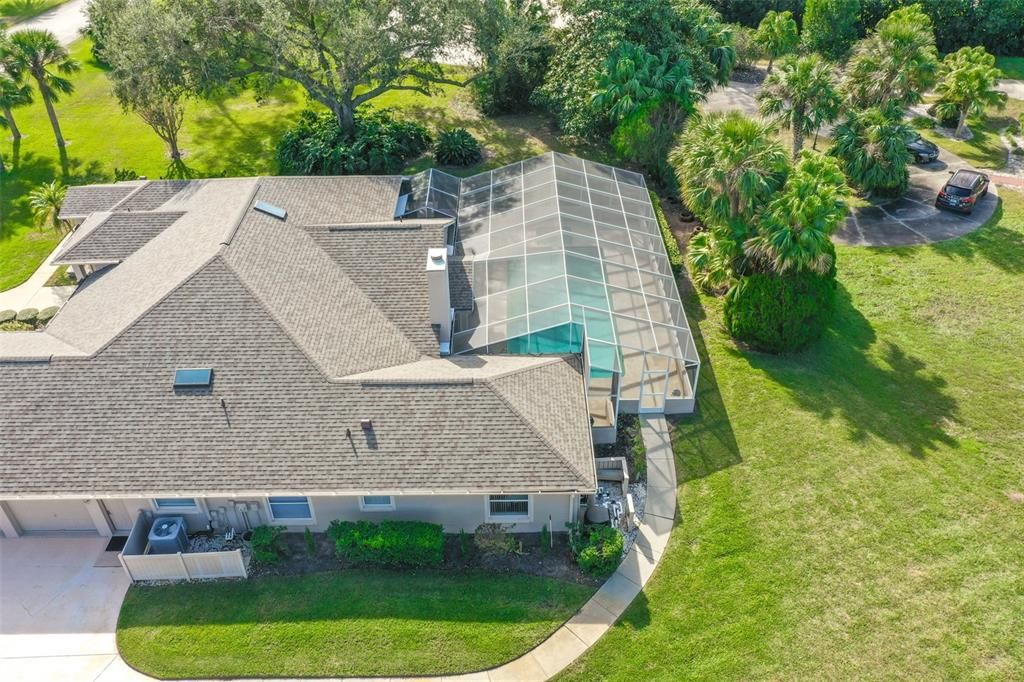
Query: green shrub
[(747, 50), (15, 326), (379, 144), (545, 539), (456, 147), (125, 174), (675, 254), (46, 314), (922, 122), (27, 315), (8, 315), (266, 544), (465, 547), (307, 535), (390, 543), (779, 314), (598, 549), (494, 540)]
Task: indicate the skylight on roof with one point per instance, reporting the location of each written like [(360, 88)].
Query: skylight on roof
[(271, 210), (192, 377)]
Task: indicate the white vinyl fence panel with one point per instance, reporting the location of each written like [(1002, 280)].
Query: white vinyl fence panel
[(178, 566)]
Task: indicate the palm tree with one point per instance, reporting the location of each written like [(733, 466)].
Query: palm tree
[(46, 201), (777, 35), (897, 62), (872, 150), (967, 86), (633, 77), (727, 165), (801, 96), (794, 232), (40, 55), (12, 94)]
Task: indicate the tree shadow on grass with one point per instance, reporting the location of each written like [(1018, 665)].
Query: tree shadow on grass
[(1000, 246), (241, 148), (876, 389), (703, 442)]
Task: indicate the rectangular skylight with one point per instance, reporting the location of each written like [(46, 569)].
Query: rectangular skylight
[(271, 210), (192, 377)]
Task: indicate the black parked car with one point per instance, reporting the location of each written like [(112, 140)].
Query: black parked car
[(962, 191), (921, 149)]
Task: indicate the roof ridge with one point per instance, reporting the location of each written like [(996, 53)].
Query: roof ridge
[(533, 427), (270, 313), (131, 194)]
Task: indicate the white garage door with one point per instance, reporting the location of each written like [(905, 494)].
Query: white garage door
[(41, 516)]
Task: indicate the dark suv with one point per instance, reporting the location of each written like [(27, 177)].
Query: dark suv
[(962, 191), (921, 149)]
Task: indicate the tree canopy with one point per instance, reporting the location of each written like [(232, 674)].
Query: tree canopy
[(896, 63), (968, 79), (871, 145), (830, 27), (801, 95), (777, 35)]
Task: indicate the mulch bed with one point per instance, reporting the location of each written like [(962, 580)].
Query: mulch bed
[(556, 562)]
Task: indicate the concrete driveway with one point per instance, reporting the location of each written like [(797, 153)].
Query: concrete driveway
[(913, 218), (58, 613)]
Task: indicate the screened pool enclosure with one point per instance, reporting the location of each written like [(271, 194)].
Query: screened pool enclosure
[(565, 256)]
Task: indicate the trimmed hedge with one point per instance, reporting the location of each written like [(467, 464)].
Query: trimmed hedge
[(8, 315), (675, 254), (46, 314), (779, 314), (27, 315), (390, 543)]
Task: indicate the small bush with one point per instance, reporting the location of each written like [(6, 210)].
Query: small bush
[(266, 544), (922, 122), (779, 314), (598, 549), (8, 315), (465, 547), (124, 174), (390, 543), (675, 254), (46, 314), (747, 49), (307, 535), (379, 144), (456, 147), (494, 540), (15, 326), (27, 315), (545, 539)]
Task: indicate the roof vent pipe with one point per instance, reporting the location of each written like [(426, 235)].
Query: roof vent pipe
[(438, 294)]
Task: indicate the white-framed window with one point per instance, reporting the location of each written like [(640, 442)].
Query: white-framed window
[(377, 503), (180, 505), (508, 508), (291, 509)]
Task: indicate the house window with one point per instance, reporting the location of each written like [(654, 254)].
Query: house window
[(376, 503), (290, 508), (176, 504), (508, 507)]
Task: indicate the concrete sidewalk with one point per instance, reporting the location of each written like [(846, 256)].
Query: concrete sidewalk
[(32, 293), (64, 21)]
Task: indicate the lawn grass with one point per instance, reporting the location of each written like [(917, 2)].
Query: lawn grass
[(854, 511), (13, 11), (1012, 67), (349, 623), (231, 135), (985, 149)]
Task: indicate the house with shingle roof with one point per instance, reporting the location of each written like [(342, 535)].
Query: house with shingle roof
[(295, 350)]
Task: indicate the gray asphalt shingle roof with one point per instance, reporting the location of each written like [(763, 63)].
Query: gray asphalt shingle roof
[(308, 329), (81, 200), (116, 237)]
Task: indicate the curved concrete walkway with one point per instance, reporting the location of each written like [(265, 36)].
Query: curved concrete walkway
[(64, 21)]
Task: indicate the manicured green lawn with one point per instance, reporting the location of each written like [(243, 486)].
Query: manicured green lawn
[(13, 11), (855, 511), (1012, 67), (985, 149), (350, 623), (230, 136)]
